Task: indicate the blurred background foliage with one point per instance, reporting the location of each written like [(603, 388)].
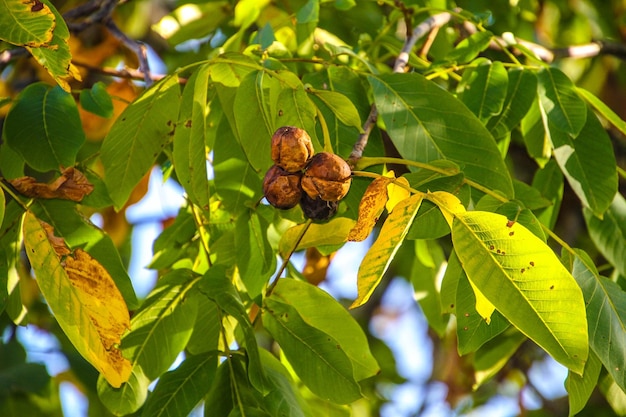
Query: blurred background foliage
[(181, 32)]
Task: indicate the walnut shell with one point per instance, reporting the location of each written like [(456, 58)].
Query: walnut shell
[(327, 176), (281, 188), (291, 148), (318, 209)]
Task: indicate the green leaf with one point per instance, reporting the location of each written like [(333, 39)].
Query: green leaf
[(427, 123), (495, 354), (255, 259), (295, 108), (564, 108), (579, 388), (521, 276), (236, 182), (137, 138), (588, 163), (55, 56), (283, 398), (217, 287), (534, 128), (230, 68), (316, 357), (382, 252), (78, 232), (180, 390), (321, 311), (22, 25), (97, 100), (173, 241), (73, 309), (307, 18), (520, 93), (606, 315), (427, 265), (603, 109), (609, 233), (254, 107), (10, 263), (470, 47), (341, 107), (159, 332), (208, 326), (43, 126), (190, 154), (485, 89), (472, 330), (549, 181)]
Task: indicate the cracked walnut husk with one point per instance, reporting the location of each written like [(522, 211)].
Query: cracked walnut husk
[(291, 148), (281, 188), (327, 176)]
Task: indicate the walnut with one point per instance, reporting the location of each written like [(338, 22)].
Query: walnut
[(282, 188), (327, 176), (291, 148), (318, 209)]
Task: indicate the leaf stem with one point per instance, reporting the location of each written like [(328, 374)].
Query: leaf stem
[(9, 191), (328, 146), (271, 287), (204, 237)]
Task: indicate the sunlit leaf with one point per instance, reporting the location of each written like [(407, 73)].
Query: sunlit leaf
[(609, 233), (321, 311), (534, 128), (326, 369), (159, 332), (397, 191), (381, 253), (26, 23), (370, 208), (85, 301), (603, 109), (334, 232), (43, 126), (564, 108), (427, 123), (55, 56), (525, 281)]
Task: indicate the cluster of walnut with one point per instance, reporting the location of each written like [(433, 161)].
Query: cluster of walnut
[(316, 182)]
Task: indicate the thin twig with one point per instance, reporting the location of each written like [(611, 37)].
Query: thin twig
[(137, 47), (127, 73)]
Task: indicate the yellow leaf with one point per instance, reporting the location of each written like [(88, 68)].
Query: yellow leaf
[(380, 255), (449, 204), (316, 265), (370, 208), (26, 23), (396, 193), (483, 306), (332, 233), (84, 299)]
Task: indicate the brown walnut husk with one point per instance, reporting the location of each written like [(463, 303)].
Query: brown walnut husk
[(318, 209), (281, 188), (327, 177), (291, 148)]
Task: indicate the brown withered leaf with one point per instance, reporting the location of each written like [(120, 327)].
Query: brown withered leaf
[(71, 185), (370, 208), (99, 296), (58, 243)]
